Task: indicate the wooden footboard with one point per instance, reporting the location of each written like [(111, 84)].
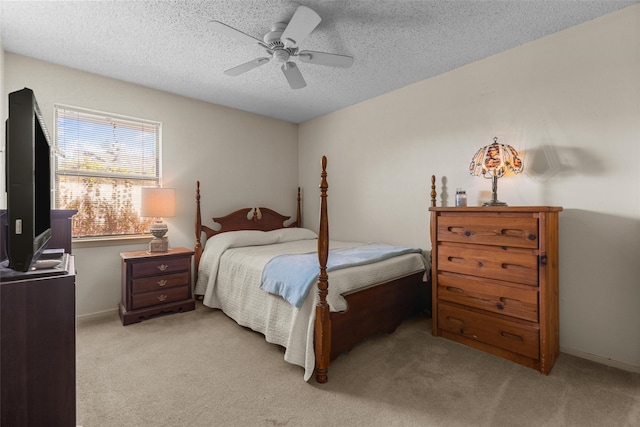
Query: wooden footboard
[(375, 310)]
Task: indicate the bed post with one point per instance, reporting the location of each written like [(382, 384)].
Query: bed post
[(198, 248), (433, 191), (323, 320), (299, 212)]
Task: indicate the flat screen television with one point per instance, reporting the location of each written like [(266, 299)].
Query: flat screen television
[(28, 181)]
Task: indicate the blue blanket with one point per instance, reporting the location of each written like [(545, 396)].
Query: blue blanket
[(291, 276)]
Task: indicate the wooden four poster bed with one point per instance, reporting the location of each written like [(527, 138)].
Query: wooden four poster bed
[(326, 324)]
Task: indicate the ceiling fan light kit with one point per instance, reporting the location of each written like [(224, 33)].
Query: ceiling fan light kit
[(281, 43)]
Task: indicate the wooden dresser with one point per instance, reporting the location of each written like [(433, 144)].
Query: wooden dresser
[(495, 280), (154, 283), (38, 338)]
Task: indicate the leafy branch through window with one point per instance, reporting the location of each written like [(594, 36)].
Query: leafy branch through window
[(102, 162)]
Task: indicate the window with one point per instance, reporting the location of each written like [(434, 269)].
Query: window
[(101, 163)]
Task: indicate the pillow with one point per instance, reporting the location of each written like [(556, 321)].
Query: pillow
[(240, 238), (283, 235)]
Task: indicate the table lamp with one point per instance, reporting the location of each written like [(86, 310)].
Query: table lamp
[(158, 202), (492, 161)]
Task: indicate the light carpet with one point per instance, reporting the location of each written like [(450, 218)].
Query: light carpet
[(201, 369)]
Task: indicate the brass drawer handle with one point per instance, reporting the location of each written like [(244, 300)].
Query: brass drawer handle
[(162, 282), (163, 267), (161, 298)]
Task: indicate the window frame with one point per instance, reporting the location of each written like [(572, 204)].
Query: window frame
[(104, 240)]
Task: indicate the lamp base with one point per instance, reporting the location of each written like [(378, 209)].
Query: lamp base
[(159, 244), (494, 203)]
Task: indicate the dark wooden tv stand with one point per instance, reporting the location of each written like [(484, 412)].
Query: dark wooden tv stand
[(38, 343)]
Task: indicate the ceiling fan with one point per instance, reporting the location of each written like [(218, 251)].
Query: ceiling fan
[(281, 44)]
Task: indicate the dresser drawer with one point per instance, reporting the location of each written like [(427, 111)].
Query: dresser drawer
[(520, 230), (518, 337), (160, 265), (500, 263), (159, 297), (155, 283), (490, 295)]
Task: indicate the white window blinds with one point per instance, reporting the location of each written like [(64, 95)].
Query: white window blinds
[(102, 161)]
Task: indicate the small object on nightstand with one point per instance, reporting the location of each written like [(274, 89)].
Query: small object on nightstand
[(461, 197), (159, 244), (154, 283)]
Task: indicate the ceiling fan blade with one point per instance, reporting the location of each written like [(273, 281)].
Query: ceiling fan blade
[(302, 23), (247, 66), (329, 59), (293, 75), (236, 34)]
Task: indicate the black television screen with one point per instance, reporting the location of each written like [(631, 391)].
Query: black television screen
[(28, 180)]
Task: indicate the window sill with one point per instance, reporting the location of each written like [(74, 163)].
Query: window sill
[(94, 242)]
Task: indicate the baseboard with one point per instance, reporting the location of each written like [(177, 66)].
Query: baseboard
[(81, 318), (601, 360)]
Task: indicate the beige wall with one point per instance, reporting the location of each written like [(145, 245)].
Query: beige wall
[(240, 158), (570, 102)]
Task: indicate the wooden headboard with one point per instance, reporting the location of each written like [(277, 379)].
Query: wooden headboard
[(262, 219)]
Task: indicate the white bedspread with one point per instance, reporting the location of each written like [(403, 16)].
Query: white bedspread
[(230, 274)]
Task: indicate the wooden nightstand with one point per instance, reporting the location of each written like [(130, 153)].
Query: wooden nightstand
[(154, 283)]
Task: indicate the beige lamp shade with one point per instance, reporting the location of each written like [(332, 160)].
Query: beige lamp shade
[(158, 202)]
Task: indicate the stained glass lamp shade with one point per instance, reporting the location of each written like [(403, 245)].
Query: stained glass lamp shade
[(492, 162)]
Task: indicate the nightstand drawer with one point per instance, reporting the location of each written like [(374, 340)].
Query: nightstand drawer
[(518, 337), (155, 283), (499, 263), (159, 297), (521, 230), (160, 266), (490, 295)]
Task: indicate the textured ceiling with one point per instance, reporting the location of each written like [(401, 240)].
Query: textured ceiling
[(171, 46)]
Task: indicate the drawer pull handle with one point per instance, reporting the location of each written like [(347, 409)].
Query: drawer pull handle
[(506, 300), (511, 336), (513, 267), (162, 283), (503, 301), (512, 232), (454, 289), (161, 298), (455, 259), (163, 267), (461, 231)]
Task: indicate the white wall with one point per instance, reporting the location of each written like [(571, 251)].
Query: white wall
[(570, 102), (241, 159)]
